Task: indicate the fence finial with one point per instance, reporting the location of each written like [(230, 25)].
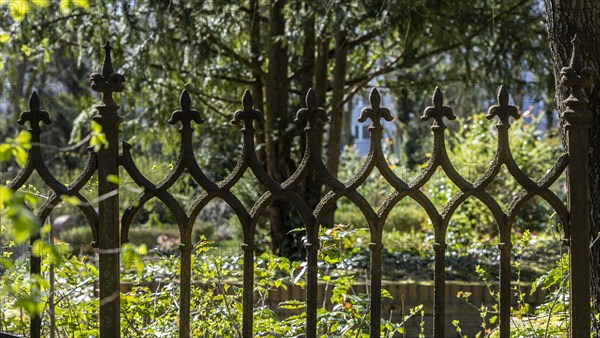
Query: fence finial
[(247, 100), (438, 111), (34, 115), (107, 82), (577, 77), (375, 112), (248, 114), (313, 115), (185, 115), (107, 67), (503, 110)]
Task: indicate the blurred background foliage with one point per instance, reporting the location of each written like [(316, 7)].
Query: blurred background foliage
[(216, 49)]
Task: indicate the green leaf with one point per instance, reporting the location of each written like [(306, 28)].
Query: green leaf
[(293, 304), (98, 141), (27, 304), (5, 195), (66, 6), (142, 249), (40, 3), (18, 9), (71, 200), (26, 50), (5, 152), (24, 139), (20, 155), (96, 127), (112, 179), (24, 223), (6, 263), (386, 294)]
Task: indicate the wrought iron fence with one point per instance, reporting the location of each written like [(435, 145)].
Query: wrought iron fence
[(110, 229)]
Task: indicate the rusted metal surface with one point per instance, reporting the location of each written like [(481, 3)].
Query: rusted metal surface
[(110, 229), (577, 120), (109, 243)]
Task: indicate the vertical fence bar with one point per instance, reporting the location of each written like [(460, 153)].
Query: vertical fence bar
[(505, 291), (248, 295), (35, 261), (314, 117), (35, 268), (185, 292), (439, 292), (34, 161), (375, 247), (577, 120), (312, 288), (438, 112), (108, 214), (248, 115)]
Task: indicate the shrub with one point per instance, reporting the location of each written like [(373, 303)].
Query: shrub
[(402, 219), (82, 236)]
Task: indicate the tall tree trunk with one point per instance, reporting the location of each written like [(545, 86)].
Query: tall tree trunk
[(311, 186), (320, 86), (347, 138), (257, 86), (565, 19), (321, 70), (278, 140), (337, 111)]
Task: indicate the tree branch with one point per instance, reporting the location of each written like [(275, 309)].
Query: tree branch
[(233, 54)]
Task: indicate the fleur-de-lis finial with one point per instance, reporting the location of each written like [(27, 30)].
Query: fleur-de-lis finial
[(34, 115), (107, 67), (577, 77), (107, 82), (503, 110), (438, 111), (248, 114), (375, 112), (313, 115), (185, 115)]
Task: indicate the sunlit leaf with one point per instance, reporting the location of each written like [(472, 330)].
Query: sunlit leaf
[(72, 200), (24, 139), (5, 152), (112, 179), (20, 155)]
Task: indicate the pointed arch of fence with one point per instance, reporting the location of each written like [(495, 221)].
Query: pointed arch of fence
[(110, 229)]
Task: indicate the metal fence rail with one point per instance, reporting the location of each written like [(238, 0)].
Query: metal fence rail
[(110, 230)]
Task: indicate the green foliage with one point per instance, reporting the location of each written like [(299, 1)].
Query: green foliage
[(446, 43), (82, 236), (147, 308), (547, 320), (474, 146), (17, 148), (19, 218), (97, 139)]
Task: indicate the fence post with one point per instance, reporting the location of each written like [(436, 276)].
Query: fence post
[(577, 120), (109, 244)]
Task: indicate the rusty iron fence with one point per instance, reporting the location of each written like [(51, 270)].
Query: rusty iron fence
[(110, 229)]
